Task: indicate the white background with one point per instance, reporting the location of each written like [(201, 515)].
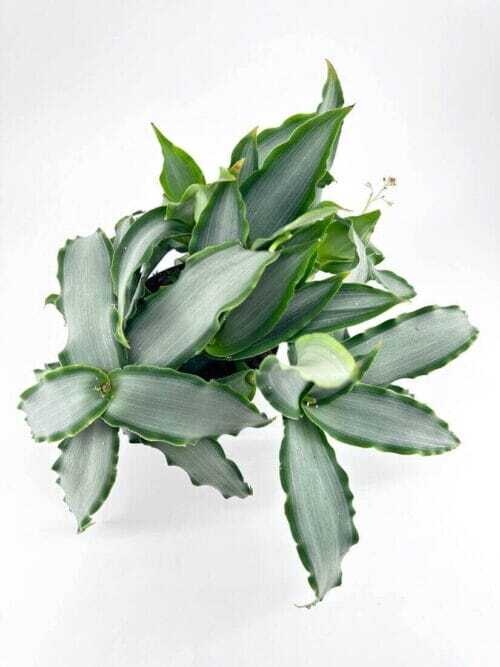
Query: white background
[(172, 574)]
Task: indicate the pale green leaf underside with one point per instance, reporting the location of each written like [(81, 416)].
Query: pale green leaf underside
[(323, 360), (179, 408), (361, 273), (352, 304), (285, 186), (179, 320), (223, 218), (207, 465), (257, 315), (393, 283), (87, 470), (305, 304), (64, 402), (135, 252), (179, 169), (282, 386), (376, 417), (318, 504), (87, 302), (415, 343)]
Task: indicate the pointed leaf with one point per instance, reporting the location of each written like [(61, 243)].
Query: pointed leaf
[(122, 227), (269, 139), (282, 386), (246, 149), (179, 320), (414, 343), (352, 304), (257, 315), (332, 95), (306, 303), (191, 204), (332, 98), (163, 404), (206, 464), (87, 302), (285, 186), (137, 251), (65, 401), (323, 212), (179, 169), (223, 218), (364, 224), (87, 470), (318, 504), (323, 360), (393, 283), (377, 417)]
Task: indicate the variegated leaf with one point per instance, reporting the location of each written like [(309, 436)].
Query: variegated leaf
[(178, 321), (178, 408)]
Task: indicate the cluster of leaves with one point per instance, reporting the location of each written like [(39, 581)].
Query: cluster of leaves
[(174, 358)]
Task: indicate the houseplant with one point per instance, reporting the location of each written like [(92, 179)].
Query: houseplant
[(172, 359)]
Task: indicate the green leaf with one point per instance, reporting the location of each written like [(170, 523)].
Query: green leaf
[(191, 204), (282, 386), (38, 372), (269, 139), (364, 224), (179, 169), (242, 382), (246, 149), (223, 218), (123, 225), (393, 283), (257, 315), (414, 343), (285, 186), (318, 504), (178, 408), (376, 256), (377, 417), (337, 251), (324, 361), (206, 465), (361, 273), (135, 257), (179, 320), (87, 470), (332, 95), (65, 401), (87, 303), (352, 304), (323, 212), (304, 306)]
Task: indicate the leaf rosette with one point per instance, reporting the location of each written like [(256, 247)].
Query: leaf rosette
[(177, 321)]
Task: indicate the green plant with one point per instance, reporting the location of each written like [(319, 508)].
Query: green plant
[(173, 358)]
